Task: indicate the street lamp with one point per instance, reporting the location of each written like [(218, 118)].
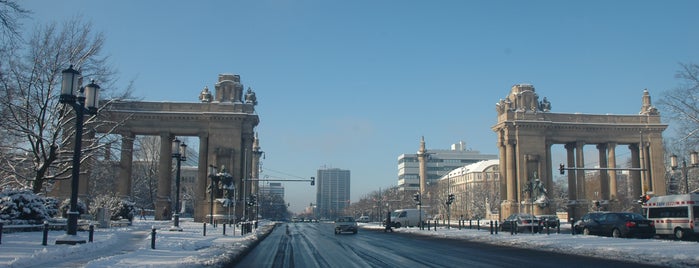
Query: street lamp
[(179, 153), (84, 100), (213, 187), (694, 162)]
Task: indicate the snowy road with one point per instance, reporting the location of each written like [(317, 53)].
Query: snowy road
[(315, 245)]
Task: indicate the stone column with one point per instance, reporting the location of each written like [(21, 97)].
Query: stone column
[(421, 154), (603, 174), (656, 165), (163, 206), (511, 177), (611, 162), (580, 174), (572, 185), (201, 199), (125, 165), (635, 175), (503, 164)]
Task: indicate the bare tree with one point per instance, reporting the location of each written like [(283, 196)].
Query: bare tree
[(10, 15), (145, 171), (37, 128), (681, 106)]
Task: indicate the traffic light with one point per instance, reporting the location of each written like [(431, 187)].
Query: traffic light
[(313, 181), (562, 168), (416, 198), (450, 199)]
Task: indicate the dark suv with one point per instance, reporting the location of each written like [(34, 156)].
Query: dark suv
[(615, 224)]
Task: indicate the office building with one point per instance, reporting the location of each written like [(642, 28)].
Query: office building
[(333, 192), (439, 163)]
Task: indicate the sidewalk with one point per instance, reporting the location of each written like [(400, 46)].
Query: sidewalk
[(130, 246)]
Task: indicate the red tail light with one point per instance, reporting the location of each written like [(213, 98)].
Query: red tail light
[(630, 224), (525, 221)]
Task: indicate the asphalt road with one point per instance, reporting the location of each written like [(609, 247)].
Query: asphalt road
[(316, 245)]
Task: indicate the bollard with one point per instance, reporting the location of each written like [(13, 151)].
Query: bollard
[(478, 225), (572, 227), (435, 226), (92, 233), (512, 229), (429, 225), (515, 227), (1, 225), (470, 224), (558, 226), (491, 227), (46, 233), (224, 229), (496, 227), (547, 228), (152, 237)]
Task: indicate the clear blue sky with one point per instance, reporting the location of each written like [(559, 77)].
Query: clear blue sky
[(354, 84)]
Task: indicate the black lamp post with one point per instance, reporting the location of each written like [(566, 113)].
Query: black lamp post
[(84, 100), (694, 162), (179, 153), (213, 188)]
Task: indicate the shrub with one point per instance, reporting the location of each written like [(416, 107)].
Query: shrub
[(22, 206)]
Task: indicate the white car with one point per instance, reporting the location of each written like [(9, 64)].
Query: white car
[(345, 224), (363, 219)]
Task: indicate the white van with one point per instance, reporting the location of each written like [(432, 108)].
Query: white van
[(676, 215), (363, 219), (406, 217)]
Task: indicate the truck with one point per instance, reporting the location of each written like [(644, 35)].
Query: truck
[(407, 217), (674, 215)]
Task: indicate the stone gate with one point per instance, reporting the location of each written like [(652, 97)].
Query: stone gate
[(527, 129)]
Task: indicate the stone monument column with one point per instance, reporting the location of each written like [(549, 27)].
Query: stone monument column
[(656, 164), (611, 162), (125, 165), (201, 201), (580, 174), (421, 154), (572, 185), (635, 175), (163, 203), (604, 178)]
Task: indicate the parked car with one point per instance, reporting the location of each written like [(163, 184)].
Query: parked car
[(550, 221), (345, 224), (616, 224), (523, 221)]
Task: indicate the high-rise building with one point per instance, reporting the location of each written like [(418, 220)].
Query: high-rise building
[(333, 192), (272, 189), (439, 163)]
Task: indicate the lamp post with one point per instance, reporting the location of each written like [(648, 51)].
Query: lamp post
[(84, 100), (694, 162), (214, 183), (179, 153)]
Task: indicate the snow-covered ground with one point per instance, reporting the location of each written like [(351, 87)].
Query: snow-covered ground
[(131, 246)]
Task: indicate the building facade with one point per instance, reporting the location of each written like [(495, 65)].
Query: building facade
[(438, 163), (333, 192), (476, 190)]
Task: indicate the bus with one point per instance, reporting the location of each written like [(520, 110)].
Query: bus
[(674, 215)]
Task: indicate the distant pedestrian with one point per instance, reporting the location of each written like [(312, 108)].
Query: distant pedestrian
[(143, 214), (389, 224)]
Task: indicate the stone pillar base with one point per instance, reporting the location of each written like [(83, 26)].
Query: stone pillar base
[(577, 209), (508, 207)]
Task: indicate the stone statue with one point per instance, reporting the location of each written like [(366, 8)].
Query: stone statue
[(205, 95), (250, 97), (545, 105)]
